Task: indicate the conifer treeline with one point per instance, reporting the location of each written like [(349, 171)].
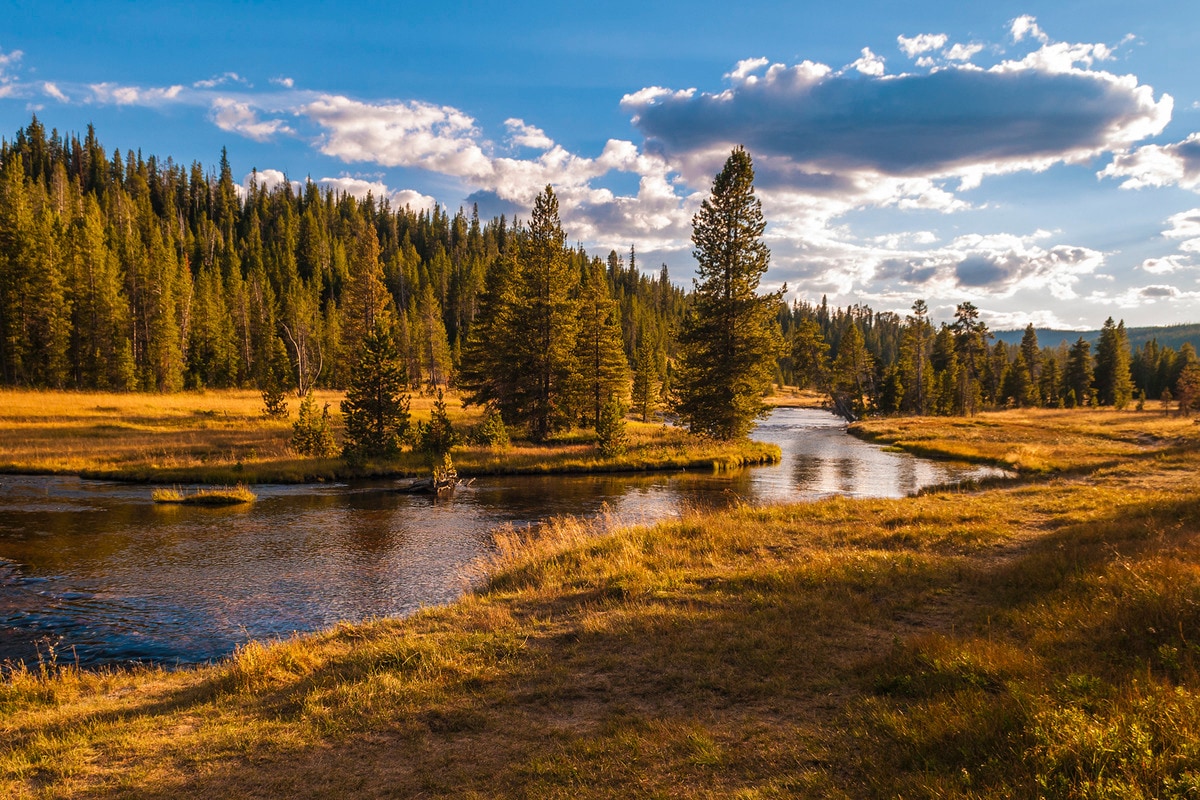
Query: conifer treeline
[(880, 361), (129, 273)]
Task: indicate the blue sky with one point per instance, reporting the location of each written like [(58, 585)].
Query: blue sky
[(1041, 160)]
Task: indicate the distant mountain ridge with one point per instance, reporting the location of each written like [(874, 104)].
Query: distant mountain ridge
[(1172, 336)]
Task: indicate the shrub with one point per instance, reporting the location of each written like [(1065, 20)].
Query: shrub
[(312, 434), (610, 429)]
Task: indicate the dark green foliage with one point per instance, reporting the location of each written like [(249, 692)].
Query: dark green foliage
[(1114, 386), (545, 319), (853, 371), (603, 368), (646, 381), (312, 433), (1077, 380), (491, 431), (437, 437), (273, 382), (810, 355), (611, 439), (730, 338), (523, 357), (376, 404)]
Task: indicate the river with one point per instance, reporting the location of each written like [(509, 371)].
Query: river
[(93, 572)]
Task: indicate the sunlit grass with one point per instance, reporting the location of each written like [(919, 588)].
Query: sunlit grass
[(1036, 440), (1036, 639), (220, 496), (222, 437)]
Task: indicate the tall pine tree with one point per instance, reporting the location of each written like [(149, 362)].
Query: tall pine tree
[(730, 337)]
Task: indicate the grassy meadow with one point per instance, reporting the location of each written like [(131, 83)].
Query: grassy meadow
[(222, 437), (1039, 638)]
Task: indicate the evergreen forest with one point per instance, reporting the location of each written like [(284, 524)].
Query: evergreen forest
[(131, 273)]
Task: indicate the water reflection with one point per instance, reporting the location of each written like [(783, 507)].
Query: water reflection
[(96, 567)]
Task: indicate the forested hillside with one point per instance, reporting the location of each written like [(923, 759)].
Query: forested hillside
[(128, 272)]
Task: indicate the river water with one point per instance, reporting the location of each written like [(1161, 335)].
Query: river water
[(94, 572)]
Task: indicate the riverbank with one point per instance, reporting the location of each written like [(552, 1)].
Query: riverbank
[(1033, 639), (222, 437)]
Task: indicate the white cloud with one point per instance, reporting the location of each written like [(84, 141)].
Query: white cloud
[(869, 63), (744, 68), (269, 179), (414, 134), (116, 94), (360, 188), (220, 80), (522, 135), (1184, 225), (286, 83), (1165, 265), (922, 43), (1026, 25), (1141, 296), (955, 121), (1175, 164), (964, 52), (52, 90), (238, 117)]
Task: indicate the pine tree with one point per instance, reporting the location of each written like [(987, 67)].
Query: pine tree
[(730, 337), (1033, 362), (603, 368), (1077, 380), (1113, 384), (853, 370), (944, 359), (376, 404), (438, 436), (810, 355), (916, 367), (1187, 389), (970, 341), (646, 379), (542, 326), (611, 439), (1049, 385), (312, 432)]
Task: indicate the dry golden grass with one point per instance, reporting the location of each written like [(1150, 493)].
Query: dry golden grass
[(1036, 440), (223, 437), (1036, 639), (220, 496)]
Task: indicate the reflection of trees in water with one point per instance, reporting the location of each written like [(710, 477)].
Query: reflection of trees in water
[(846, 473), (906, 475), (806, 472)]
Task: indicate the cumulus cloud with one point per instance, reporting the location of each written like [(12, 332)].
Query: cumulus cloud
[(1140, 296), (270, 179), (523, 135), (116, 94), (286, 83), (1024, 26), (238, 117), (869, 63), (1165, 265), (360, 188), (951, 121), (413, 134), (964, 52), (1175, 164), (921, 43)]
